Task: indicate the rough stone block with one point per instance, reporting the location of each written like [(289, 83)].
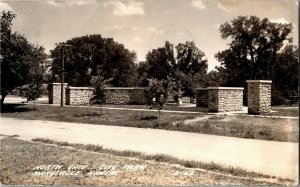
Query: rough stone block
[(259, 96), (225, 99), (54, 93)]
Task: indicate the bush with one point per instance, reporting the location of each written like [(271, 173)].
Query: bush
[(149, 117), (161, 124), (95, 148), (249, 133), (44, 89), (266, 132)]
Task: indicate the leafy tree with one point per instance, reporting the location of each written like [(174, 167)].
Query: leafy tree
[(91, 53), (31, 92), (99, 84), (134, 80), (157, 94), (160, 62), (20, 60), (286, 71), (142, 72), (215, 78), (184, 63), (254, 50)]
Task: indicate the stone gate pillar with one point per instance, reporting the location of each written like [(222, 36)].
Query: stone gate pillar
[(54, 93), (259, 96)]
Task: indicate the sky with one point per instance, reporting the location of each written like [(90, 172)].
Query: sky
[(142, 25)]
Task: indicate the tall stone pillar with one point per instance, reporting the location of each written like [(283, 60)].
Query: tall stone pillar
[(259, 96), (55, 93)]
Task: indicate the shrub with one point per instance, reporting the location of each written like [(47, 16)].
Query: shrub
[(249, 133), (266, 132), (95, 148), (149, 117)]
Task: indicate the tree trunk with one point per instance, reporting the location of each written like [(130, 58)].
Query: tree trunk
[(158, 114)]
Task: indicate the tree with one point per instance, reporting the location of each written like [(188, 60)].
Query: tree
[(160, 62), (286, 71), (215, 78), (31, 92), (184, 63), (157, 94), (99, 84), (20, 60), (142, 73), (91, 53), (254, 50)]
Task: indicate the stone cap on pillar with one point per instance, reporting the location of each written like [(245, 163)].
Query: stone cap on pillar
[(80, 88), (225, 88), (125, 88), (262, 81), (55, 83)]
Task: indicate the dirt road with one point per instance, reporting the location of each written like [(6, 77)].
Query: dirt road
[(269, 157)]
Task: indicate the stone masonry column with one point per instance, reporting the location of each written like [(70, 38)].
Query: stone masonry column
[(259, 96), (54, 93)]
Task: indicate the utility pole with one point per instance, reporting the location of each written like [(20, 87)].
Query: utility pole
[(62, 45), (62, 78)]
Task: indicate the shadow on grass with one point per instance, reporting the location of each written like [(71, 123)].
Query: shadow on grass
[(12, 108)]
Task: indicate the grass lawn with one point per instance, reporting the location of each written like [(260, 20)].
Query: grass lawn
[(170, 106), (19, 158), (285, 111), (252, 127), (273, 129)]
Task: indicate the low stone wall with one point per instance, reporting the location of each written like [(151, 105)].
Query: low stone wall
[(54, 93), (125, 95), (83, 95), (202, 97), (259, 96), (225, 99), (79, 95)]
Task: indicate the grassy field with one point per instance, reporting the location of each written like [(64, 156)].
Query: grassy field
[(285, 111), (252, 127), (19, 158), (273, 129)]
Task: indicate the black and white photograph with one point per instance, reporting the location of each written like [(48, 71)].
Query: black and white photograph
[(149, 93)]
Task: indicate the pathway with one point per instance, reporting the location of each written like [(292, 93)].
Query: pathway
[(269, 157)]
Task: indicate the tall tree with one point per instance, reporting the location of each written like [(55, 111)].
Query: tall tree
[(253, 47), (160, 62), (20, 61), (93, 55), (184, 63), (216, 77), (254, 50), (286, 74)]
